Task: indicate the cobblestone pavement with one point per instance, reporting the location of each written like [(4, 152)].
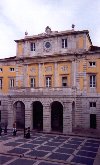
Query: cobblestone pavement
[(49, 149)]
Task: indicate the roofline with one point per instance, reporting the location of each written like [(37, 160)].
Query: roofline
[(89, 38), (46, 56), (8, 59), (53, 34)]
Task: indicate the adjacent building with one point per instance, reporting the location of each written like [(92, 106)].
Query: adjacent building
[(53, 82)]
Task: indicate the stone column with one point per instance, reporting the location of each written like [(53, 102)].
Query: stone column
[(28, 115), (40, 75), (73, 73), (46, 118), (19, 77), (67, 117), (10, 114), (25, 75), (85, 77), (26, 47), (55, 75)]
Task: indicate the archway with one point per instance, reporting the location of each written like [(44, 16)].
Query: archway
[(37, 115), (19, 114), (56, 116)]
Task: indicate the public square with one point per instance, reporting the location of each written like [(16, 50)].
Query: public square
[(48, 149)]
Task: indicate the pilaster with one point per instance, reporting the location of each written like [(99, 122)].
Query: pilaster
[(55, 75), (46, 118), (25, 80), (28, 114), (10, 114), (40, 75), (67, 117), (73, 73)]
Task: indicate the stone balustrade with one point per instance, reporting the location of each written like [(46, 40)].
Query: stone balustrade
[(41, 91)]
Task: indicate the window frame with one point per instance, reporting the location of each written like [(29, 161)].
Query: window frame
[(48, 81), (1, 83), (12, 82), (62, 79), (91, 64), (1, 69), (64, 43), (92, 104), (92, 81), (12, 69), (32, 84), (32, 46)]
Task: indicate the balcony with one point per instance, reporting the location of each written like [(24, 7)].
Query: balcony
[(41, 91)]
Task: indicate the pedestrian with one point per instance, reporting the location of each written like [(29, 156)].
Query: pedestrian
[(28, 133), (25, 131), (14, 129), (5, 130)]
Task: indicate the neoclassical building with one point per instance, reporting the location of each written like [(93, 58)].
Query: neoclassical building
[(53, 82)]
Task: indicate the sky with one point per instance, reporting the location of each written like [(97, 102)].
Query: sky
[(18, 16)]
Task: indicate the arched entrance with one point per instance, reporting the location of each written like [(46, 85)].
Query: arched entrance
[(56, 116), (19, 114), (37, 115)]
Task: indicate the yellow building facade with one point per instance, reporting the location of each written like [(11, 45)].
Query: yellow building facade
[(52, 84)]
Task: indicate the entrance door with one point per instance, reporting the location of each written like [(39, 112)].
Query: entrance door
[(57, 116), (37, 115), (93, 121), (19, 114)]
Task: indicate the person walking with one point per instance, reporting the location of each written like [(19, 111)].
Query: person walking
[(14, 129), (5, 130)]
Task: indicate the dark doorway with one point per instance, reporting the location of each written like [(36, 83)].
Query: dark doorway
[(57, 116), (93, 121), (0, 116), (37, 115), (19, 113)]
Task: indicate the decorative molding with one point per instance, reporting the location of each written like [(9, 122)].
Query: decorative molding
[(48, 69), (64, 68), (33, 70)]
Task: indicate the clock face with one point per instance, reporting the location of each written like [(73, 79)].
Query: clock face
[(47, 45)]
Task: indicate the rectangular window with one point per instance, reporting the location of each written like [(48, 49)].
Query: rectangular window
[(64, 43), (64, 81), (48, 81), (93, 81), (92, 63), (0, 83), (92, 104), (12, 83), (12, 69), (32, 46), (32, 82), (0, 69)]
